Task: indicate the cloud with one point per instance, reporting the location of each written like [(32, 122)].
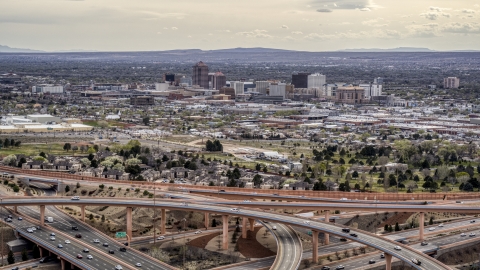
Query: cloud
[(463, 28), (174, 28), (433, 15), (324, 10), (284, 26), (297, 33), (158, 15), (365, 9), (255, 34), (380, 22), (438, 9), (344, 4), (428, 30), (289, 38), (468, 11)]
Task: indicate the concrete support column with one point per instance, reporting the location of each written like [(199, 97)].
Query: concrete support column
[(252, 224), (82, 212), (207, 220), (163, 229), (225, 231), (244, 228), (421, 223), (40, 249), (72, 266), (62, 263), (315, 246), (42, 215), (128, 218), (15, 209), (326, 235), (388, 261)]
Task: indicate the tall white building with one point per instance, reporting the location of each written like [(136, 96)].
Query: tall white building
[(161, 86), (262, 87), (278, 89), (316, 80), (371, 89), (47, 88), (451, 82), (239, 87)]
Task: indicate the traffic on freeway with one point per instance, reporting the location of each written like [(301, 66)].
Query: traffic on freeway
[(405, 254)]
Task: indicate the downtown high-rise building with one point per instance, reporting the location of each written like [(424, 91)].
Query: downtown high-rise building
[(316, 80), (219, 80), (451, 82), (200, 75), (300, 80)]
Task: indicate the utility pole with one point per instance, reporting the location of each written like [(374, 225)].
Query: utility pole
[(154, 215)]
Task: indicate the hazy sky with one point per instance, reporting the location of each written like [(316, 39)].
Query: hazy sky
[(313, 25)]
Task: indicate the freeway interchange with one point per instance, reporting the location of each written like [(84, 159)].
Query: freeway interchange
[(406, 254)]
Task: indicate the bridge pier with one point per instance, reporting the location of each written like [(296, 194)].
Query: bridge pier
[(62, 263), (388, 261), (252, 224), (326, 235), (244, 228), (128, 217), (40, 249), (163, 229), (82, 212), (315, 246), (207, 220), (225, 231), (42, 215), (15, 209), (421, 224)]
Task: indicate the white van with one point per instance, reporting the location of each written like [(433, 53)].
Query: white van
[(274, 228), (75, 198)]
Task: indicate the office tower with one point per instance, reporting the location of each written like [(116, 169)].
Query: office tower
[(219, 80), (200, 75), (278, 89), (378, 80), (169, 77), (210, 80), (262, 87), (316, 80), (300, 80), (372, 89), (451, 82), (238, 86)]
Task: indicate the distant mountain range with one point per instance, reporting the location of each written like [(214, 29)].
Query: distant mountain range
[(7, 49)]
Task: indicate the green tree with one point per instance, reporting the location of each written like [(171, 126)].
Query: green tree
[(67, 147), (397, 227), (214, 223), (36, 252), (10, 258), (24, 255), (146, 121)]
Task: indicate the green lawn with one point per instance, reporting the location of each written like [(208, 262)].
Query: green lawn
[(35, 149)]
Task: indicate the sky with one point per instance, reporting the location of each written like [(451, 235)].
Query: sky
[(306, 25)]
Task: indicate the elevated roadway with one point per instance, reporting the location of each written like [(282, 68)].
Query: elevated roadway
[(405, 254), (289, 253)]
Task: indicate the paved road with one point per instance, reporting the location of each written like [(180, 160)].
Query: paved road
[(64, 222), (42, 236), (289, 253), (366, 238)]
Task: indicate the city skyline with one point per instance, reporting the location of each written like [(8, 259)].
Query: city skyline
[(304, 25)]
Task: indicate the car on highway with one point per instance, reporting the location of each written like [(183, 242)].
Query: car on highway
[(325, 268), (247, 201), (417, 262), (122, 249), (34, 229), (382, 255), (15, 268), (9, 220), (75, 228), (105, 244), (52, 238), (472, 221), (440, 225), (67, 241), (372, 261), (343, 199), (346, 230), (463, 234), (96, 241), (20, 218), (90, 257), (274, 228), (424, 243), (340, 267), (118, 267), (78, 235), (275, 194), (85, 250), (75, 198), (234, 210), (306, 222), (397, 248), (161, 238), (30, 230), (111, 251), (79, 256), (60, 246), (471, 234), (52, 234), (10, 216), (138, 265), (431, 229), (221, 190), (343, 240), (354, 235), (198, 232)]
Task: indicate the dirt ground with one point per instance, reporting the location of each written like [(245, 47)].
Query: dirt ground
[(251, 248)]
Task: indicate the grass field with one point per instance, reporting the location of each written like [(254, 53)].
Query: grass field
[(35, 149), (111, 123)]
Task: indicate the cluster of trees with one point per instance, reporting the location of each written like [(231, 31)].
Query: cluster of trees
[(9, 143), (214, 146)]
